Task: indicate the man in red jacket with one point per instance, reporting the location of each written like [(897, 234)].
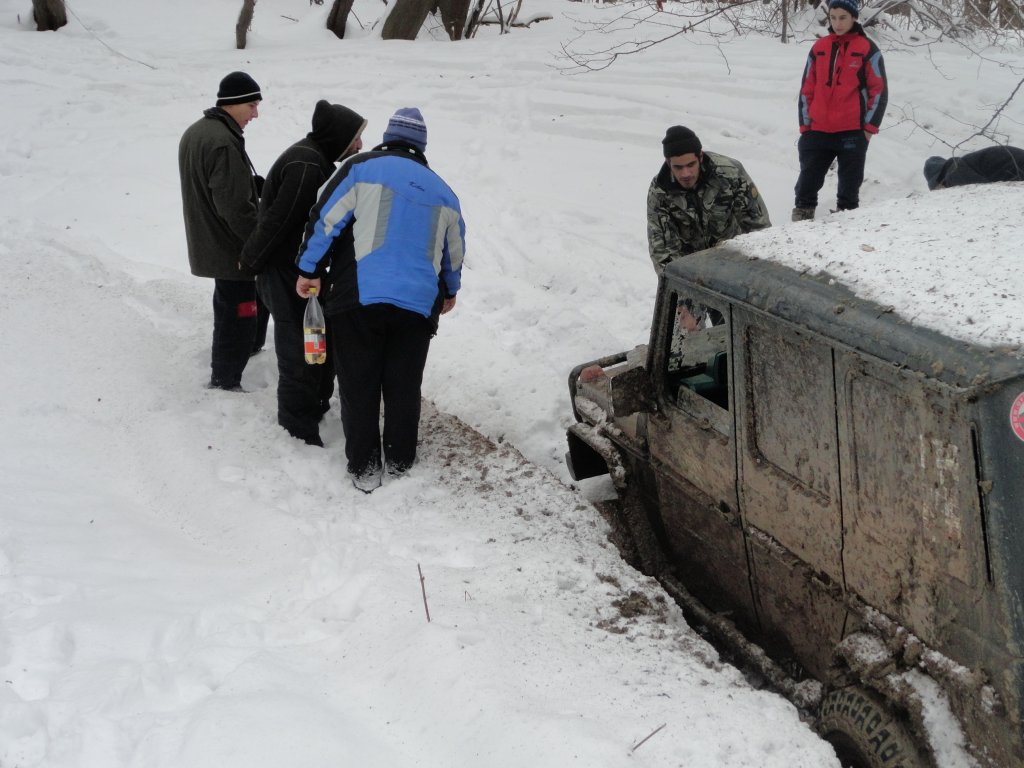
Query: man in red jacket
[(843, 97)]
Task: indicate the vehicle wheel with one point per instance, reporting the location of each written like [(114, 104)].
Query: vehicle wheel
[(865, 732)]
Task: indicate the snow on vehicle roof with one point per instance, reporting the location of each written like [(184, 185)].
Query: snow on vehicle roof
[(950, 260)]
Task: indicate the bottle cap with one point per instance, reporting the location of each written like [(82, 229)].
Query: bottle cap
[(312, 290)]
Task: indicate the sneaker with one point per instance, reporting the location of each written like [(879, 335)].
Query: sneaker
[(802, 214)]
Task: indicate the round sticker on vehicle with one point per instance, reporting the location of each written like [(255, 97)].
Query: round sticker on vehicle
[(1017, 416)]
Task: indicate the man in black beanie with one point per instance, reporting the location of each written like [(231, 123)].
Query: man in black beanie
[(219, 200), (678, 221), (303, 390)]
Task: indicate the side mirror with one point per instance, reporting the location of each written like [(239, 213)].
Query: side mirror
[(632, 391)]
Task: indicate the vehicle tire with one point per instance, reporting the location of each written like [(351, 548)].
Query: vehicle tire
[(865, 732)]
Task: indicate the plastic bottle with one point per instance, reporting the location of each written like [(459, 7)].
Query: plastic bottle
[(314, 331)]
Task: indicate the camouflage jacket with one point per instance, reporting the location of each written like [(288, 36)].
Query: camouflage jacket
[(725, 203)]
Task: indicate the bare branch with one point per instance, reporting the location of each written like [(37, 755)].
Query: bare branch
[(423, 589), (640, 743), (983, 131)]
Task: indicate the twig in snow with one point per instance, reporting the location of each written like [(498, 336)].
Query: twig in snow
[(642, 741), (423, 589), (103, 42)]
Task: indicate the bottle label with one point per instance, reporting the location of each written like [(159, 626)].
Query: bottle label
[(315, 345)]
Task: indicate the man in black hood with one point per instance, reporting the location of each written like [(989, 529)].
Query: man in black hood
[(303, 390), (998, 163)]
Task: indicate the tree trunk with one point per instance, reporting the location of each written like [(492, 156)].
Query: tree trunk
[(244, 22), (49, 14), (338, 16), (406, 19), (474, 18), (453, 17)]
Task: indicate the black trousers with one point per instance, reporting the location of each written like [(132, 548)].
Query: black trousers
[(234, 330), (262, 320), (817, 150), (303, 390), (380, 350)]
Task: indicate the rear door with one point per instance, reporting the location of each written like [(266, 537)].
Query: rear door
[(914, 531), (790, 482)]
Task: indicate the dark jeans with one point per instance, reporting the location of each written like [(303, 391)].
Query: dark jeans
[(380, 350), (817, 151), (234, 330), (303, 390)]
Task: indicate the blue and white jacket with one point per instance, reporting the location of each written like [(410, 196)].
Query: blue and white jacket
[(391, 231)]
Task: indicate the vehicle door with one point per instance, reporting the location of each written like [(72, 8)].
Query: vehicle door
[(691, 439)]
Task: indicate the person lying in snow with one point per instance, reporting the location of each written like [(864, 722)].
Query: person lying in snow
[(985, 166)]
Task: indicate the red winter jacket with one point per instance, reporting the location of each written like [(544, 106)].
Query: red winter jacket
[(844, 86)]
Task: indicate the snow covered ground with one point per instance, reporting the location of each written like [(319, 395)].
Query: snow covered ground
[(181, 584)]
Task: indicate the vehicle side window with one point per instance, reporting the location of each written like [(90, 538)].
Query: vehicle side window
[(697, 361)]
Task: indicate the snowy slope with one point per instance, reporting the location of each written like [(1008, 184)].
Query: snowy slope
[(183, 585)]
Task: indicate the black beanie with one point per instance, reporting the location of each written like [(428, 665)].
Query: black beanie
[(335, 128), (237, 88), (680, 141)]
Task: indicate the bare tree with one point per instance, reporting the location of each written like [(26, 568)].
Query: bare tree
[(685, 17), (473, 23), (406, 18), (503, 13), (49, 14), (338, 17), (651, 22), (454, 14), (244, 22)]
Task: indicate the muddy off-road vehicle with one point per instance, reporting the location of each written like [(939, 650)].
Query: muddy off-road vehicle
[(832, 489)]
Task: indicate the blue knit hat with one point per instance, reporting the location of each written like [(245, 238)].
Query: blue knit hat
[(850, 6), (407, 125)]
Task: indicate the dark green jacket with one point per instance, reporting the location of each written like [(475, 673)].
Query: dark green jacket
[(725, 203), (218, 195)]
